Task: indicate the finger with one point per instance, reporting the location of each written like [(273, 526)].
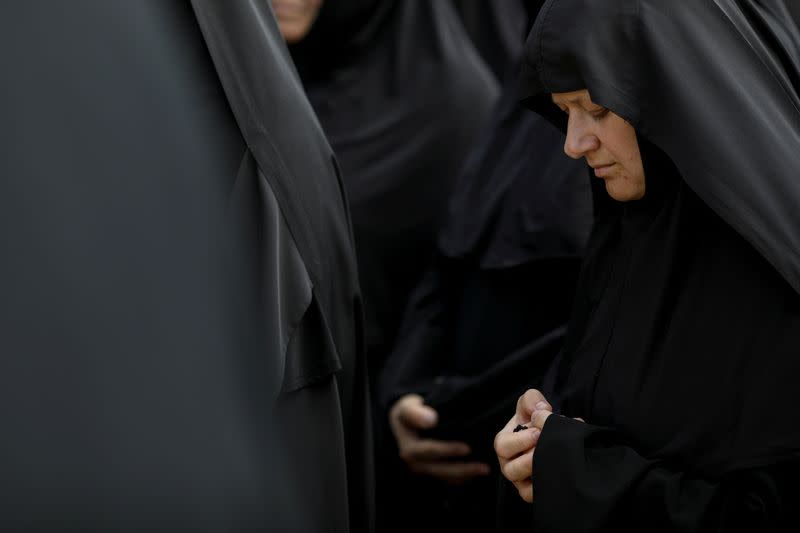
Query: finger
[(454, 473), (397, 425), (412, 411), (510, 425), (510, 445), (579, 419), (508, 428), (432, 450), (405, 425), (415, 414), (529, 402), (520, 468), (539, 418), (403, 434), (525, 489)]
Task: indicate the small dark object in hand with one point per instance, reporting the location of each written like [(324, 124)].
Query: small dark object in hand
[(520, 428)]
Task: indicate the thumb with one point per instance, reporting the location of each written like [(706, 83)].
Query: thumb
[(418, 415)]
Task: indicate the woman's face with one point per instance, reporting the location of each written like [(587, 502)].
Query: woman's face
[(606, 141), (295, 17)]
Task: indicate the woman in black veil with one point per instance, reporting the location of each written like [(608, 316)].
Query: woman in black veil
[(675, 392), (400, 92), (490, 314)]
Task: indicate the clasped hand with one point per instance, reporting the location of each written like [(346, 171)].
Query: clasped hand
[(515, 449)]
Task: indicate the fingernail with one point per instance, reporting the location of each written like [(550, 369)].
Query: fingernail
[(430, 418), (536, 434), (485, 470), (541, 406)]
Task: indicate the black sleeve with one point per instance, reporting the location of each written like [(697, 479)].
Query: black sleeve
[(586, 480), (423, 341)]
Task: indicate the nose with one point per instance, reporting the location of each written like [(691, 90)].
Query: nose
[(580, 139)]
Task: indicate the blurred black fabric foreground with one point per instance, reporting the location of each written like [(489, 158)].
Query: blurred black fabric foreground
[(180, 322)]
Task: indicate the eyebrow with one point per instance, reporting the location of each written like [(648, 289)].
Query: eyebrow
[(577, 100), (573, 100)]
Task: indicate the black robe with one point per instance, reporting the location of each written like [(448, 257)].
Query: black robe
[(490, 315), (682, 349), (401, 93), (682, 359), (178, 279)]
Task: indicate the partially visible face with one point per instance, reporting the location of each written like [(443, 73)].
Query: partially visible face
[(606, 141), (295, 17)]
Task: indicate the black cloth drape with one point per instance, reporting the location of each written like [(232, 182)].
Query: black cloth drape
[(178, 279)]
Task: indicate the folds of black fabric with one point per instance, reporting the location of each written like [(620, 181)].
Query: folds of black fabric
[(167, 302), (683, 351), (584, 472), (400, 92)]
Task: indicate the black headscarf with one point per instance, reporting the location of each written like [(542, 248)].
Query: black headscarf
[(724, 73), (400, 92), (689, 296)]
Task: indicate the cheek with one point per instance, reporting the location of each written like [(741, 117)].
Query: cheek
[(633, 166), (625, 150), (313, 7)]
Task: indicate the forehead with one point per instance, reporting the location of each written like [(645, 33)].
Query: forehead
[(574, 97)]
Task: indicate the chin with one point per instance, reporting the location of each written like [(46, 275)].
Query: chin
[(624, 191), (294, 32)]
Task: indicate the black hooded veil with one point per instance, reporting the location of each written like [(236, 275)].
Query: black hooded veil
[(682, 349), (400, 92), (180, 317), (725, 72)]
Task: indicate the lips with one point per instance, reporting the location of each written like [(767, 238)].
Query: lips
[(602, 171)]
